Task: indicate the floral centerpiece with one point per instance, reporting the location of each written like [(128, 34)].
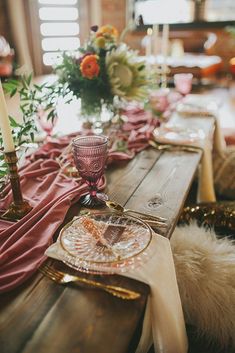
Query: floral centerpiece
[(104, 69)]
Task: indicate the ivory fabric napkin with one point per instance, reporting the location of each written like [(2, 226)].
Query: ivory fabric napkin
[(206, 190), (163, 321), (195, 105)]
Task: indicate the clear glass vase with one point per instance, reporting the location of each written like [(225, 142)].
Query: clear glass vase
[(97, 119)]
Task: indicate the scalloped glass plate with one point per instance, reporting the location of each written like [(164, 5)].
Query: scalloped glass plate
[(105, 242), (177, 134), (198, 105)]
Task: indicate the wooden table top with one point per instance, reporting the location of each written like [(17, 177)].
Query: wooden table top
[(41, 316)]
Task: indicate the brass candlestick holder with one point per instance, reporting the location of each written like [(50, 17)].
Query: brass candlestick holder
[(165, 71), (157, 74), (19, 207)]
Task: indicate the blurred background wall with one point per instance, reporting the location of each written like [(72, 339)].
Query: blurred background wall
[(115, 12)]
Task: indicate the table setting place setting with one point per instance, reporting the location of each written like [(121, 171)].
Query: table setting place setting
[(103, 243), (34, 205), (71, 169), (118, 241), (105, 238)]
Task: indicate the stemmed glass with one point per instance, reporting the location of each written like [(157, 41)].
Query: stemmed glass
[(183, 83), (90, 154), (46, 124)]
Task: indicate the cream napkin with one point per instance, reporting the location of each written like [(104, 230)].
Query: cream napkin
[(202, 107), (163, 322), (206, 190)]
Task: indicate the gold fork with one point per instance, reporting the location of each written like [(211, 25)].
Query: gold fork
[(63, 278)]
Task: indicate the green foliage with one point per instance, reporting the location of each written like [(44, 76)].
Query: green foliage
[(121, 146), (3, 168), (33, 98), (231, 30)]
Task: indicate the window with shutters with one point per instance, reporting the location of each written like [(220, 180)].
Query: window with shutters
[(55, 29), (59, 28)]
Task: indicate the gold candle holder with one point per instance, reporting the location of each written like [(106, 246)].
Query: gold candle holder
[(157, 74), (19, 207), (165, 71)]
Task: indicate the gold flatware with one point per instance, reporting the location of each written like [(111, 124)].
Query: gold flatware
[(158, 146), (147, 217), (154, 223), (174, 147), (63, 278)]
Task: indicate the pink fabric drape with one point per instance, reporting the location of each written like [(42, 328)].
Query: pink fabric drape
[(23, 244)]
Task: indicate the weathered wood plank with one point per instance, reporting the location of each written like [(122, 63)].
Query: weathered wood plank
[(20, 318), (86, 321), (123, 179), (165, 187), (24, 310)]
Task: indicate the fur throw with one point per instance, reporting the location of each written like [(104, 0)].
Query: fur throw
[(205, 269)]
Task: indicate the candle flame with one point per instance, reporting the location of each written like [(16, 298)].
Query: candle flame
[(232, 61), (149, 31)]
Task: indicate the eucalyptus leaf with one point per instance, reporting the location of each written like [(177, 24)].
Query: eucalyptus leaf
[(13, 122)]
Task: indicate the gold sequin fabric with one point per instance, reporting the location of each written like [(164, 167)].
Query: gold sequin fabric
[(218, 215)]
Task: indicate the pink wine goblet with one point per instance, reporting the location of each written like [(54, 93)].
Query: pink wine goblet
[(183, 83), (90, 154)]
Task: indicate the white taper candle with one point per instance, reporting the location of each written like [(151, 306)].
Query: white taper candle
[(155, 40), (148, 47), (7, 138), (165, 39)]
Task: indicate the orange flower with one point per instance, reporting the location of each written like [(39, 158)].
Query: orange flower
[(108, 31), (90, 67)]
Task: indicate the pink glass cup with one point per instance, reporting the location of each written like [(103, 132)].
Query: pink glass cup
[(46, 124), (183, 83), (90, 154)]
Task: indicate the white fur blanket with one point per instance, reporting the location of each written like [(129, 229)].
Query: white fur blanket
[(205, 269)]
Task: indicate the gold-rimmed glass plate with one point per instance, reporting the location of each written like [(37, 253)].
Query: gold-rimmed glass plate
[(105, 242), (174, 133)]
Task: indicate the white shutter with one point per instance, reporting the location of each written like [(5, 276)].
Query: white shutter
[(59, 28)]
